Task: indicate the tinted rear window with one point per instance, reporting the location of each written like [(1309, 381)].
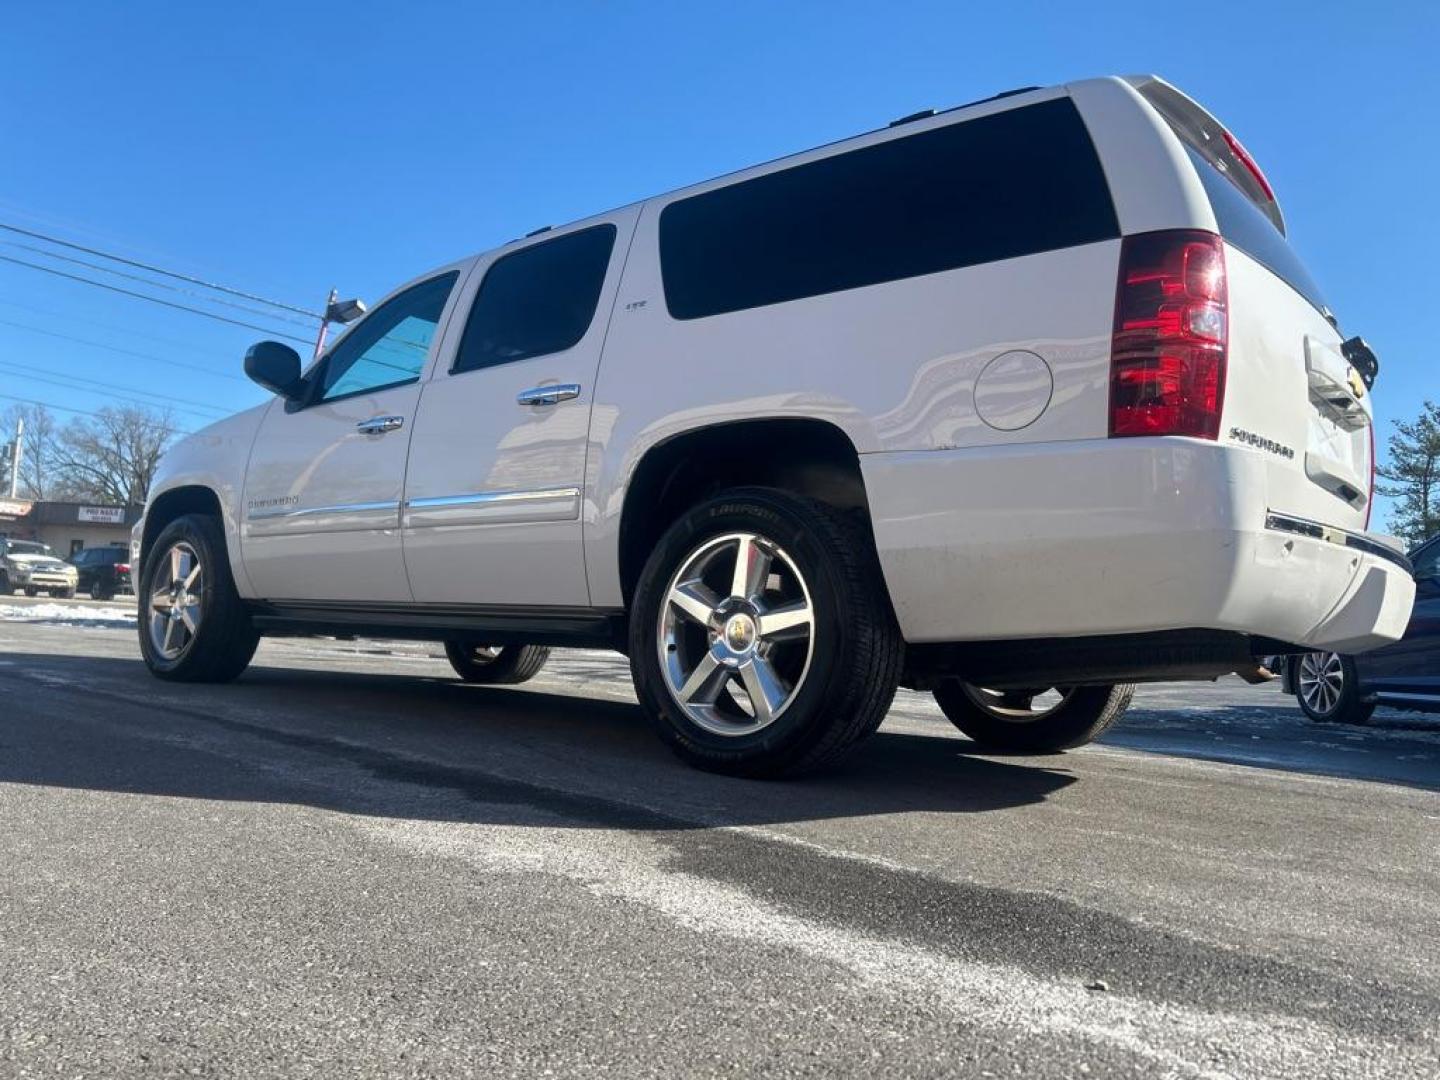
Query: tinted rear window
[(1243, 224), (1014, 183), (539, 300)]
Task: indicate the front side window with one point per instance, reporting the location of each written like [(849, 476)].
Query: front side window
[(390, 346), (537, 301)]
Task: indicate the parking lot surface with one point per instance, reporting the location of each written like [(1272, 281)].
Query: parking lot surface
[(350, 863)]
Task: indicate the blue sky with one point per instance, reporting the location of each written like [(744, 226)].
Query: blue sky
[(285, 148)]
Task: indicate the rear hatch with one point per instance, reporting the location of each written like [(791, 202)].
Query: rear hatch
[(1292, 392)]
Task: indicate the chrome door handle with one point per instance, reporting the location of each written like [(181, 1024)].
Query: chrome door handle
[(379, 425), (549, 395)]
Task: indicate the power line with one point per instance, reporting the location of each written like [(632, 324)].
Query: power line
[(152, 299), (152, 282), (158, 270), (67, 409), (68, 317), (123, 352), (46, 375), (209, 417)]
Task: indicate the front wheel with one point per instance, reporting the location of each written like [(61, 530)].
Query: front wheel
[(1041, 719), (496, 665), (193, 624), (31, 592), (64, 594), (1328, 691), (761, 641)]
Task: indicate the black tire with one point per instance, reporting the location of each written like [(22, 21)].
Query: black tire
[(855, 651), (510, 664), (225, 638), (64, 594), (31, 592), (100, 592), (1084, 714), (1339, 701)]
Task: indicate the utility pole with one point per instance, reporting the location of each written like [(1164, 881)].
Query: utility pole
[(337, 311), (325, 323), (15, 456)]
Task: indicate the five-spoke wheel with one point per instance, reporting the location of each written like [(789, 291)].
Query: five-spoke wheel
[(736, 633), (1033, 719), (177, 587), (193, 625), (495, 665), (760, 641)]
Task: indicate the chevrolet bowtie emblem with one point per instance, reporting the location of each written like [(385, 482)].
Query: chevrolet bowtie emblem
[(1357, 384)]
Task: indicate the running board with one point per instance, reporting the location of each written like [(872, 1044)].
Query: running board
[(577, 627)]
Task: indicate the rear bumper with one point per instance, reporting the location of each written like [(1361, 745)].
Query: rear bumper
[(1123, 536)]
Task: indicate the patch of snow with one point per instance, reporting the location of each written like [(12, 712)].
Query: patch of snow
[(61, 614)]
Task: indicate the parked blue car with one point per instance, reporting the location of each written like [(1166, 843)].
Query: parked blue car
[(1346, 689)]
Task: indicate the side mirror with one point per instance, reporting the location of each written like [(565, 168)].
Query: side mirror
[(275, 367)]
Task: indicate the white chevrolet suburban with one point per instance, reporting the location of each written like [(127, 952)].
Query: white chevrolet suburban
[(1022, 402)]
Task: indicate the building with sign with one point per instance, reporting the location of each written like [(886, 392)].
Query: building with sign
[(67, 526)]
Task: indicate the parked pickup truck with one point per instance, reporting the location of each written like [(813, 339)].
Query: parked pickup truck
[(1021, 402)]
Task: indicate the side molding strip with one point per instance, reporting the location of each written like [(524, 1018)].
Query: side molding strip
[(485, 507)]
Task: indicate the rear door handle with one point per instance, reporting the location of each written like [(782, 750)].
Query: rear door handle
[(379, 425), (548, 395)]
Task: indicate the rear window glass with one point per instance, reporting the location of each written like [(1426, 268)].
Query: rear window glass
[(1014, 183), (537, 301), (1243, 224)]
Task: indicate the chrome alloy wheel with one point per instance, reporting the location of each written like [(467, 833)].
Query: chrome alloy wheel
[(175, 595), (737, 632), (1321, 681), (1020, 706)]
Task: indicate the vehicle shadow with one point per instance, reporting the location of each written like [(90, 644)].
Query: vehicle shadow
[(438, 749)]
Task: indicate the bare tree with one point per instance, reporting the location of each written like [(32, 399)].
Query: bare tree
[(112, 456), (1413, 475), (37, 463)]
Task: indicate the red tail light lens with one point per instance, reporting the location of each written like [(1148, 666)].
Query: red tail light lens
[(1167, 366), (122, 567)]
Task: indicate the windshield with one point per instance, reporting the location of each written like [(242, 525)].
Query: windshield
[(23, 547)]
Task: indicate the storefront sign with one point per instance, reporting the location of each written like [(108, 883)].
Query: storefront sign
[(103, 515)]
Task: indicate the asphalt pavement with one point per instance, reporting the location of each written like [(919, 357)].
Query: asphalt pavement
[(349, 863)]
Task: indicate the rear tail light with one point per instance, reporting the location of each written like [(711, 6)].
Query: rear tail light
[(1167, 361), (122, 567)]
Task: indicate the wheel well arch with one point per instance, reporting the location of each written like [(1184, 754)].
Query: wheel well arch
[(800, 454), (177, 502)]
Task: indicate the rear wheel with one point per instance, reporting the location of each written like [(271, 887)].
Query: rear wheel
[(99, 591), (31, 592), (1037, 719), (760, 639), (193, 625), (1328, 690), (496, 664), (64, 594)]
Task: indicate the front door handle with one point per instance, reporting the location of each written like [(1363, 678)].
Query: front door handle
[(549, 395), (379, 425)]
